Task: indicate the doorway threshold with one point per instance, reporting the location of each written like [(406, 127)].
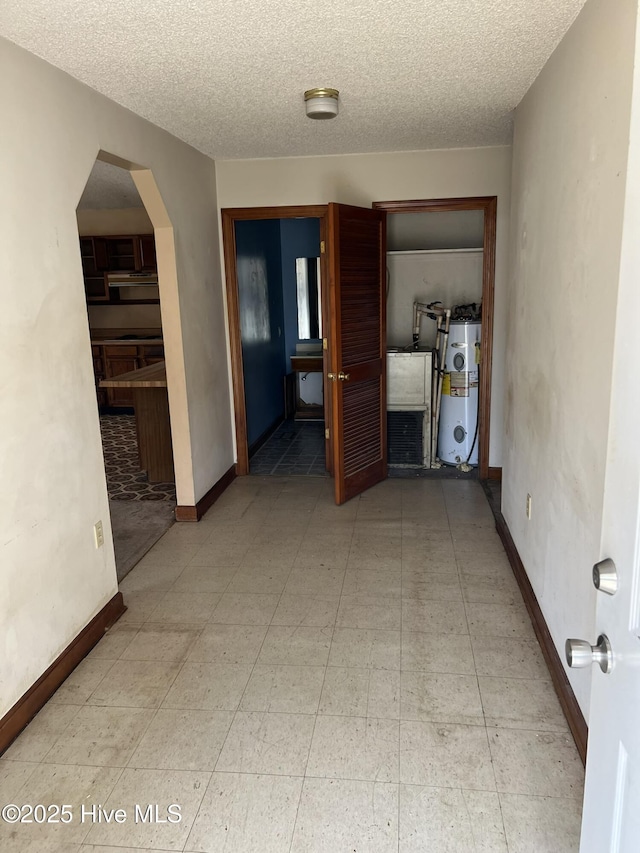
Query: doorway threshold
[(296, 448)]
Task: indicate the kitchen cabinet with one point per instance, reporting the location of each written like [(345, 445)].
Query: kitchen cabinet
[(93, 251), (99, 373), (123, 254), (114, 357), (151, 355), (114, 254), (119, 360), (148, 252)]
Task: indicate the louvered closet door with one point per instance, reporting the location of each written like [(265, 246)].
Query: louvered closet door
[(358, 348)]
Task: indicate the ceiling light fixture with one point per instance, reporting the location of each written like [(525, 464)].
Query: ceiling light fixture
[(321, 103)]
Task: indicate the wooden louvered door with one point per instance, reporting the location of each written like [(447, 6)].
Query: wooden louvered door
[(357, 353)]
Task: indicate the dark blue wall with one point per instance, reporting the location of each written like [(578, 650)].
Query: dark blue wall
[(261, 322), (299, 238)]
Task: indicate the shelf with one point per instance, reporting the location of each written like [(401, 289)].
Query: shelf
[(433, 251), (123, 302)]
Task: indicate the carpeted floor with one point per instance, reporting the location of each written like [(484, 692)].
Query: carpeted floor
[(125, 480), (137, 526), (140, 511)]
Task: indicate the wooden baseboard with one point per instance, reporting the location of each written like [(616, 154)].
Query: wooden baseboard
[(495, 474), (568, 701), (25, 709), (195, 513)]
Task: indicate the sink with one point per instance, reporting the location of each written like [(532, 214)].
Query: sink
[(307, 363)]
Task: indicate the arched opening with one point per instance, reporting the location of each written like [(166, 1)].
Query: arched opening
[(129, 271)]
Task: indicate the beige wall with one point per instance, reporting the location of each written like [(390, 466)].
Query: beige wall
[(453, 278), (361, 179), (124, 317), (113, 221), (569, 167), (53, 580)]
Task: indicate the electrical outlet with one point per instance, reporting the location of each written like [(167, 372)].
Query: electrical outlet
[(98, 534), (529, 507)]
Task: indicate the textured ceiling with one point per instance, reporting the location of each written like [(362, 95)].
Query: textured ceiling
[(412, 74), (109, 187)]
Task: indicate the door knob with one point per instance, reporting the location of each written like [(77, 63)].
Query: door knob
[(605, 576), (343, 377), (332, 376), (580, 653)]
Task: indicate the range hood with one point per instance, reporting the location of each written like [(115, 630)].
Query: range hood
[(131, 279)]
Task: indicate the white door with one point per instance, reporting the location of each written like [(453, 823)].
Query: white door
[(611, 814)]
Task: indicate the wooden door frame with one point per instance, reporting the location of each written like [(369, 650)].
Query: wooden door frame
[(231, 215), (488, 204)]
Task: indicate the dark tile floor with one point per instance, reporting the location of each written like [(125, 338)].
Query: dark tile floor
[(296, 447)]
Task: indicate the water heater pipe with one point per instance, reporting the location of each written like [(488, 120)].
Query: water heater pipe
[(434, 311), (443, 337)]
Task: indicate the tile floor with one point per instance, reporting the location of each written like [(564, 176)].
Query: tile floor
[(305, 678), (295, 448)]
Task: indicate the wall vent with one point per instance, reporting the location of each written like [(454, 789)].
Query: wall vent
[(405, 439)]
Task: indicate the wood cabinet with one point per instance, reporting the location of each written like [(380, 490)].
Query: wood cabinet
[(102, 255), (123, 254), (93, 251), (151, 355), (148, 252), (99, 372), (119, 360), (114, 359)]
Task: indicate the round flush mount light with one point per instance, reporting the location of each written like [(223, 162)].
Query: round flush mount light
[(321, 103)]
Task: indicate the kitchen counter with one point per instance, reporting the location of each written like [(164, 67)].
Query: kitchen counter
[(152, 376), (153, 426), (151, 341), (151, 336)]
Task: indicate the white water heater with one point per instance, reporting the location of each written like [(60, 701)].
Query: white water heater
[(457, 438)]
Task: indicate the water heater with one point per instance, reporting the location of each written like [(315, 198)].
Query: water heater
[(457, 439)]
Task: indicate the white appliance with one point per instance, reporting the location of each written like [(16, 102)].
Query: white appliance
[(409, 408), (457, 438)]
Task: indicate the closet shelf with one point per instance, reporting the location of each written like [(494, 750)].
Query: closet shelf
[(432, 251)]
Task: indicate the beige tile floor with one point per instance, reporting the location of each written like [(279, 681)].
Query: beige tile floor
[(305, 678)]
